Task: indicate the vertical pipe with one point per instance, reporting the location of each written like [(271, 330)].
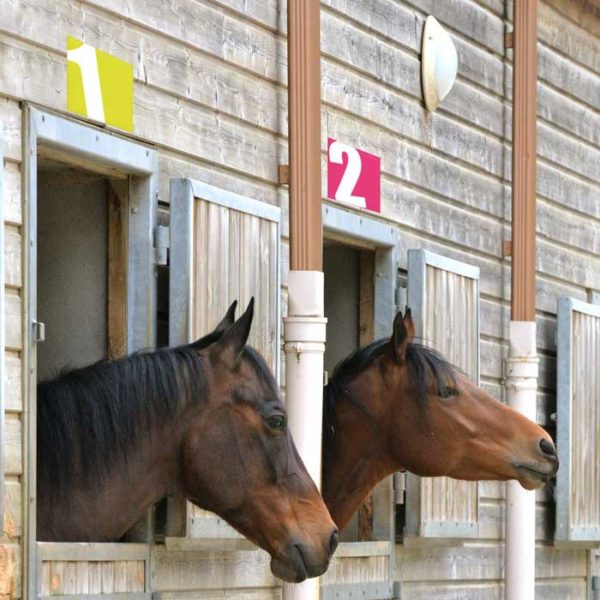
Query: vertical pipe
[(304, 328), (304, 94), (522, 363), (524, 161)]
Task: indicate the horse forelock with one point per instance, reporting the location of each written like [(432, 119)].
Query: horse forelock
[(90, 417)]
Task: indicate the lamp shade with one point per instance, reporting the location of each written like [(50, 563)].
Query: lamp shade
[(439, 63)]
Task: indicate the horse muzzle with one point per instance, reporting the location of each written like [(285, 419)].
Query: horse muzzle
[(299, 561)]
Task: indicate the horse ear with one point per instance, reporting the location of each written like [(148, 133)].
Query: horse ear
[(235, 337), (403, 335), (228, 320)]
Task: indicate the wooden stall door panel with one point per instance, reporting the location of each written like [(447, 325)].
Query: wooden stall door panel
[(585, 453), (235, 258), (445, 302), (578, 427)]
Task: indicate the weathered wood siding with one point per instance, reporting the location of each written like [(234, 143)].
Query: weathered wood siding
[(210, 94), (80, 570), (11, 526)]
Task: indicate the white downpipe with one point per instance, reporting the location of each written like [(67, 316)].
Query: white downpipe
[(304, 346), (521, 386)]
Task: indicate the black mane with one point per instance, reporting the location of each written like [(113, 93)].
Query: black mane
[(426, 368), (90, 417)]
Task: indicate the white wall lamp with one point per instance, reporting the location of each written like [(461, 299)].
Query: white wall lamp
[(439, 63)]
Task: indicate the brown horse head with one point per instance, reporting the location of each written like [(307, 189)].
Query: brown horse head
[(203, 421), (239, 459), (416, 412)]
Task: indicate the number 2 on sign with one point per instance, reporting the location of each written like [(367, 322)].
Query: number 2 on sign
[(351, 174)]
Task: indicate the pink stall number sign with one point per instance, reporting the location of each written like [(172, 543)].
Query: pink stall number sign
[(353, 176)]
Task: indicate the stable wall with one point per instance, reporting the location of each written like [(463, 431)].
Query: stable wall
[(210, 95)]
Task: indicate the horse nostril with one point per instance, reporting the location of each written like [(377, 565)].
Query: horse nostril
[(333, 542), (547, 447)]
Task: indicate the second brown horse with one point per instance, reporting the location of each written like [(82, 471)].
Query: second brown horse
[(397, 405)]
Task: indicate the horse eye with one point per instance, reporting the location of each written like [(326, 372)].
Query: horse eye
[(277, 422), (448, 392)]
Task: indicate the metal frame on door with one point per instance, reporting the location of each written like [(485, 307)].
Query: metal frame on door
[(91, 148)]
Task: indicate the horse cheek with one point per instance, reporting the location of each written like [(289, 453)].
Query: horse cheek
[(211, 483)]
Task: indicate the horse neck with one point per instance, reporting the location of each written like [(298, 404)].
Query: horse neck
[(106, 509), (356, 456)]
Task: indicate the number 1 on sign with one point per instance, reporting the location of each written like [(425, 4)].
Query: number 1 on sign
[(351, 173)]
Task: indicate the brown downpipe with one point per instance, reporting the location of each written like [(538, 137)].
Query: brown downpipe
[(522, 364), (524, 161), (304, 93)]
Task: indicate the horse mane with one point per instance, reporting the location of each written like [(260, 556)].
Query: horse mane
[(90, 417), (425, 365)]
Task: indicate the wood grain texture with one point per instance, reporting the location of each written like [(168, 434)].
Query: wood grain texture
[(13, 387), (12, 190), (81, 577), (117, 206), (12, 257), (450, 310), (10, 116), (366, 334), (12, 510), (584, 502), (10, 571), (12, 445)]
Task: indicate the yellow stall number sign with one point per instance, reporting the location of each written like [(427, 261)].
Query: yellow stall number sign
[(99, 86)]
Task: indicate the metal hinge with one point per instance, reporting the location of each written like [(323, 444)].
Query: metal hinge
[(161, 244), (39, 331), (401, 298), (283, 174), (399, 487)]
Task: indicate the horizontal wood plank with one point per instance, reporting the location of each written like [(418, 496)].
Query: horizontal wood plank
[(10, 571), (13, 447), (13, 385), (13, 315), (12, 256), (238, 594), (12, 510), (187, 571), (12, 191), (480, 562), (10, 117)]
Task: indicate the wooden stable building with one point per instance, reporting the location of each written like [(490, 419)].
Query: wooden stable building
[(117, 241)]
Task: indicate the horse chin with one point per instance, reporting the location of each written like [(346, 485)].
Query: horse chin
[(531, 479)]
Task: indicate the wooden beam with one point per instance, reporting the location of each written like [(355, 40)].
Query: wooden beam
[(117, 270), (366, 330)]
